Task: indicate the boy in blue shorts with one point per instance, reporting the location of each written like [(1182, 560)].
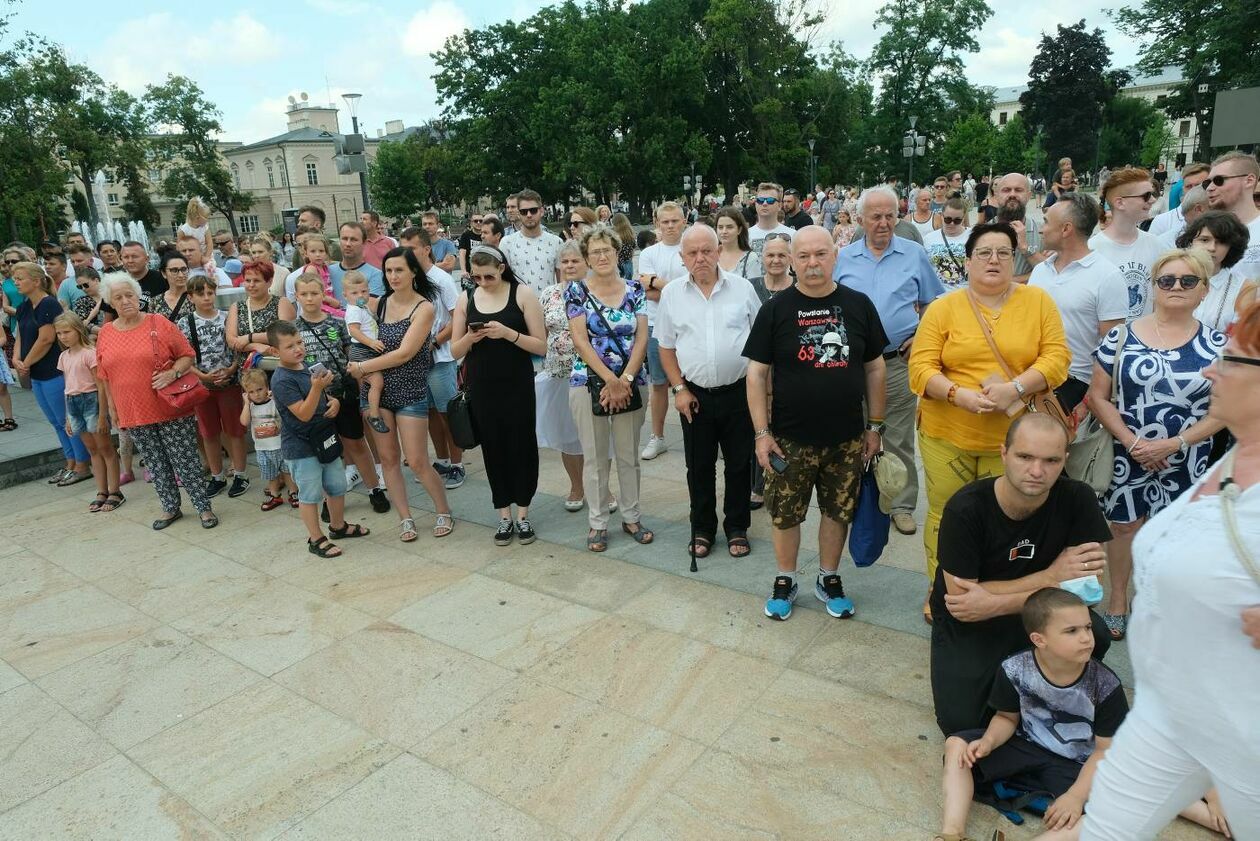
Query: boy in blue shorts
[(308, 439)]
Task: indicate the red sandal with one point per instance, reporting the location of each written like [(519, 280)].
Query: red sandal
[(272, 503)]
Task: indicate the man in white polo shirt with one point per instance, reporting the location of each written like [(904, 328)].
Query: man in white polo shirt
[(702, 325), (1090, 292), (768, 203)]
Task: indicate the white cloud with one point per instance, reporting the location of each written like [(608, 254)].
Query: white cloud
[(429, 28)]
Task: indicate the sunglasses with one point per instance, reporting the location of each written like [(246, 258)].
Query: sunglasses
[(221, 244), (767, 200), (952, 220), (1147, 196), (573, 223), (528, 211), (1167, 281), (1219, 180), (1229, 359), (83, 286), (173, 270), (778, 235), (9, 263), (476, 222)]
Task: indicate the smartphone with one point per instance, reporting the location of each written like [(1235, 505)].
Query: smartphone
[(778, 463), (476, 325), (318, 369)]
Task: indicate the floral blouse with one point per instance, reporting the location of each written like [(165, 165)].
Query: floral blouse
[(624, 321), (560, 352)]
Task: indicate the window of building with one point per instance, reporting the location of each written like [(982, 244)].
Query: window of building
[(247, 224), (113, 200), (284, 174), (1001, 118), (236, 176), (312, 174), (249, 173), (155, 175), (271, 174), (1183, 130)]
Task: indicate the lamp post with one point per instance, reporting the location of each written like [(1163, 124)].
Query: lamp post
[(288, 182), (352, 102), (812, 161), (913, 145)]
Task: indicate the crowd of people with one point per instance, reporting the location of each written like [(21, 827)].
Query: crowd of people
[(802, 343)]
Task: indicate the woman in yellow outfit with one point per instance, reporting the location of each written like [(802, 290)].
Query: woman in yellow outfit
[(963, 416)]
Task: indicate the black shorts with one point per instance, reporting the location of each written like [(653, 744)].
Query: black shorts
[(1023, 765), (349, 421)]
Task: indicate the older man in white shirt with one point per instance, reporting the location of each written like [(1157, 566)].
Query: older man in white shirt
[(702, 324)]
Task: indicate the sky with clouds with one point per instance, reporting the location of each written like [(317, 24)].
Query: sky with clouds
[(249, 59)]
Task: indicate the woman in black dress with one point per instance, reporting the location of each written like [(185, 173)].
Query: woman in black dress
[(499, 326)]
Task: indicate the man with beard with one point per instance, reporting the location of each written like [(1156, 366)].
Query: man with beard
[(1231, 186), (1014, 191), (793, 215)]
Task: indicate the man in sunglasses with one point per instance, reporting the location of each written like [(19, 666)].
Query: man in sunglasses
[(767, 204), (1089, 291), (1231, 185), (533, 253), (1129, 193), (793, 215), (224, 248)]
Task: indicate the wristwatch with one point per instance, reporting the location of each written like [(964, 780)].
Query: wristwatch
[(674, 389), (1019, 388), (1185, 445), (628, 377), (877, 428)]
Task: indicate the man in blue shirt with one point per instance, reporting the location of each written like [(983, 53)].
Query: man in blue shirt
[(445, 254), (898, 277), (353, 236)]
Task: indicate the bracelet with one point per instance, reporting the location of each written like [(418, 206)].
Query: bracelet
[(517, 336), (1185, 445), (761, 433), (875, 420), (953, 390)]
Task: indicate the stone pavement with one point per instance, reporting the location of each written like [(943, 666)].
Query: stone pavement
[(227, 684)]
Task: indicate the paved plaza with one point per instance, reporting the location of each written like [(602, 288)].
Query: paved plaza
[(227, 684)]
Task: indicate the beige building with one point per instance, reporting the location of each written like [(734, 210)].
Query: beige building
[(1155, 89), (289, 170)]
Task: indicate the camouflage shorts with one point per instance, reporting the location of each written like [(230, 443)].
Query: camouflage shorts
[(835, 471)]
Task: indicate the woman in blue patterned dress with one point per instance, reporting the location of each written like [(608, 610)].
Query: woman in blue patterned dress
[(1162, 435)]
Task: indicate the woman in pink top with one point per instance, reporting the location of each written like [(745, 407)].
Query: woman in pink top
[(85, 416), (137, 354)]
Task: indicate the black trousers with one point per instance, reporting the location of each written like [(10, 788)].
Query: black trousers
[(722, 421), (965, 658)]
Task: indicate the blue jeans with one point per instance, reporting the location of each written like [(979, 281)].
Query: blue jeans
[(315, 480), (51, 396)]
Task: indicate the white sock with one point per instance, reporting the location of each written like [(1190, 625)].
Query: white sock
[(823, 573), (445, 462), (458, 464)]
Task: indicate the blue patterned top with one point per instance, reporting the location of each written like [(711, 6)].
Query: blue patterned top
[(624, 320)]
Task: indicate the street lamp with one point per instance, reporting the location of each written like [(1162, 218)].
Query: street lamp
[(913, 145), (352, 102)]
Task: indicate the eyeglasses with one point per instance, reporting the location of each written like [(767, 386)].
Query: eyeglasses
[(1226, 360), (952, 220), (939, 186), (1167, 281), (987, 254), (1147, 196), (778, 235), (1219, 180), (766, 200), (528, 211), (475, 222), (174, 270)]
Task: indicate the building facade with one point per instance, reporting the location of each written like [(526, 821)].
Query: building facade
[(1154, 89)]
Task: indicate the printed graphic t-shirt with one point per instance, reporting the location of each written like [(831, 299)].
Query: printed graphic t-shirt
[(817, 348)]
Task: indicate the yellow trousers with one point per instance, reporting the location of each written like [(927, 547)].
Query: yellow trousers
[(946, 469)]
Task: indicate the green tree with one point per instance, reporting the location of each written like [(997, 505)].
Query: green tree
[(919, 60), (969, 144), (1128, 120), (34, 182), (1069, 85), (1213, 42), (397, 177), (137, 203), (188, 149), (1011, 150)]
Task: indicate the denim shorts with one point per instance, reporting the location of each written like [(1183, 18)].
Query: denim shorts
[(315, 480), (83, 412), (441, 385), (419, 409), (270, 463), (656, 374)]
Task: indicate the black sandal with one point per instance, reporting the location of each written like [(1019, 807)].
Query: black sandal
[(96, 504), (113, 500), (323, 547), (700, 547), (348, 530), (738, 540), (9, 424)]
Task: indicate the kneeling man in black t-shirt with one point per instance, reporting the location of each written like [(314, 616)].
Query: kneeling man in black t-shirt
[(1000, 541)]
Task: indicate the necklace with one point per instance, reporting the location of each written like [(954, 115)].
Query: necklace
[(1159, 333), (995, 309)]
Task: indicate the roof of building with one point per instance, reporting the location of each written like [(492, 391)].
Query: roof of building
[(314, 135), (1167, 77)]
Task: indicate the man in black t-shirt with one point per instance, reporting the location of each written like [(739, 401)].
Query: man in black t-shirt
[(1000, 541), (470, 237), (824, 344)]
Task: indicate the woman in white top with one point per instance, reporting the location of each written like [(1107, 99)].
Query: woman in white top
[(1225, 239), (922, 216), (736, 256), (947, 246), (1195, 636)]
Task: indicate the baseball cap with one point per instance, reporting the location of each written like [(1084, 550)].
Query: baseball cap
[(233, 267)]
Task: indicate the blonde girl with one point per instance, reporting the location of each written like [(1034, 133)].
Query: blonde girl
[(197, 224), (87, 410), (315, 252)]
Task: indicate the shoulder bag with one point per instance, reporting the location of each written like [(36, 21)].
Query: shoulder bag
[(594, 384), (1043, 401), (349, 394), (458, 413), (1229, 492), (186, 392), (1090, 455)]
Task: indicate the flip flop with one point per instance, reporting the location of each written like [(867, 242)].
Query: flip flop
[(74, 478)]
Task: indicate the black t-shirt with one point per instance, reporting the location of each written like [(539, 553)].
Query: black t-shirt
[(30, 319), (466, 241), (817, 348), (799, 219), (288, 387), (982, 192), (978, 541), (153, 284)]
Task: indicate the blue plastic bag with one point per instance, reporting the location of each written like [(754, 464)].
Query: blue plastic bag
[(869, 533)]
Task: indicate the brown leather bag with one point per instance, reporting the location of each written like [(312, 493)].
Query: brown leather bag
[(1044, 402)]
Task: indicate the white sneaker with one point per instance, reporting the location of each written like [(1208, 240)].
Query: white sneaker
[(352, 477), (655, 446)]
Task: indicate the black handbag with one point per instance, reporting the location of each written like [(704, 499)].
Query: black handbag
[(595, 385), (460, 421), (322, 436)]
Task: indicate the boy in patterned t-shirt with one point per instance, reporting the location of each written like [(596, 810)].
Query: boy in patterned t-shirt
[(1055, 711)]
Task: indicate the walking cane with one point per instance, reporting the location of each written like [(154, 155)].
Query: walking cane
[(687, 445)]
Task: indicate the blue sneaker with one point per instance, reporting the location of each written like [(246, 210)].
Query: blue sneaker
[(830, 591), (779, 605)]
